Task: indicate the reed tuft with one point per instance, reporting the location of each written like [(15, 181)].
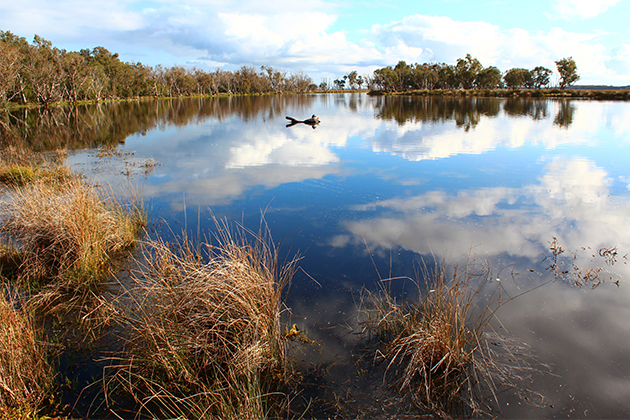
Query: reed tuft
[(66, 229), (206, 337), (26, 377), (432, 345)]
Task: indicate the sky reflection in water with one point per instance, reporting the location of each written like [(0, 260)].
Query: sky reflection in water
[(411, 177)]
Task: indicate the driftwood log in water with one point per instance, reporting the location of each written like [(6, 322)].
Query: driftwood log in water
[(313, 121)]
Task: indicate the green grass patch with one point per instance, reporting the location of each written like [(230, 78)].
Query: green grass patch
[(18, 175)]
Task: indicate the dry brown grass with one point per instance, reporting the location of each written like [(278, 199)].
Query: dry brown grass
[(206, 334), (26, 377), (66, 230), (432, 345)]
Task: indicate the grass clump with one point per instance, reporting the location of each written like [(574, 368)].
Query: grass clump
[(206, 337), (65, 230), (26, 377), (432, 345), (16, 175)]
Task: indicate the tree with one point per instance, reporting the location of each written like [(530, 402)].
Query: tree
[(352, 79), (9, 69), (44, 71), (425, 76), (75, 68), (568, 72), (517, 78), (466, 71), (489, 78), (298, 81), (540, 77)]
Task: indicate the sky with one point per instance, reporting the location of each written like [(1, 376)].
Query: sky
[(327, 39)]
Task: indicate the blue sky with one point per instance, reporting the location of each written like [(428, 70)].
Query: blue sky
[(329, 39)]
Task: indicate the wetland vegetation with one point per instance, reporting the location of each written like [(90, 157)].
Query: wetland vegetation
[(203, 328), (112, 313)]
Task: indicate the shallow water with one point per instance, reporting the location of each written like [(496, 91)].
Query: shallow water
[(386, 182)]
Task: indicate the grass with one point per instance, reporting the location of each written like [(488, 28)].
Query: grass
[(20, 166), (17, 175), (26, 377), (432, 345), (66, 230), (206, 338)]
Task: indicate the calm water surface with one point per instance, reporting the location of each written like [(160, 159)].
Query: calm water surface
[(490, 180)]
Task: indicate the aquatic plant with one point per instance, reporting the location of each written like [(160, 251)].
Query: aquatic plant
[(432, 345), (66, 230), (20, 174), (206, 338), (26, 376)]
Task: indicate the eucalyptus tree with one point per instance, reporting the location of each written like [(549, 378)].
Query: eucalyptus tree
[(360, 81), (10, 66), (568, 72), (96, 83), (447, 77), (111, 67), (298, 81), (275, 78), (425, 76), (466, 72), (76, 72), (44, 71), (204, 82), (540, 77), (16, 83), (353, 79), (224, 81), (489, 78), (517, 78)]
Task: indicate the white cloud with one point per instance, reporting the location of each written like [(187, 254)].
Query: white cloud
[(231, 34), (567, 202), (582, 9), (443, 39)]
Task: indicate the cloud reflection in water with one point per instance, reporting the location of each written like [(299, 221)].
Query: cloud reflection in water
[(501, 179)]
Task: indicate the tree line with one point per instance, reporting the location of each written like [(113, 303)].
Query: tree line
[(468, 73), (38, 72)]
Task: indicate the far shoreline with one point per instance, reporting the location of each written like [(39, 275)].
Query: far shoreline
[(570, 93), (613, 93)]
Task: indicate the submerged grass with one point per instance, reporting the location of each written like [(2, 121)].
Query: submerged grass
[(206, 338), (26, 376), (432, 345), (22, 174), (65, 230)]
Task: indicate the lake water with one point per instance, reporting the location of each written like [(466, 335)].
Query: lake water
[(385, 182)]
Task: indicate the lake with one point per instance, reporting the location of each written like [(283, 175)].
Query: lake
[(384, 183)]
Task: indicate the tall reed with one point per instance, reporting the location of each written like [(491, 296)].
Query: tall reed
[(206, 335), (432, 345), (66, 229), (26, 377)]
